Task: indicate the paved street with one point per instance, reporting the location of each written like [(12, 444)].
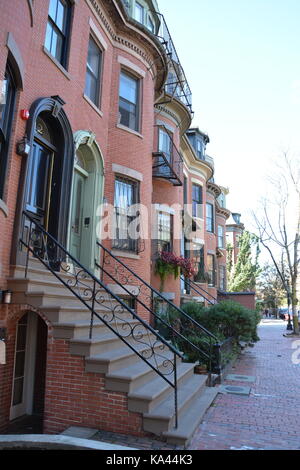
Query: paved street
[(269, 418)]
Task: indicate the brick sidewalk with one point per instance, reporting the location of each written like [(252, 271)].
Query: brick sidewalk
[(269, 418)]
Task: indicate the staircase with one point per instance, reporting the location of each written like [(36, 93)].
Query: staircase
[(137, 367)]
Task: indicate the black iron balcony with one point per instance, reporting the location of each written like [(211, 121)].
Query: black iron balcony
[(167, 160), (154, 22)]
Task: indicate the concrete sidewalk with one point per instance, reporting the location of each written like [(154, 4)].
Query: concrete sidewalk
[(269, 417)]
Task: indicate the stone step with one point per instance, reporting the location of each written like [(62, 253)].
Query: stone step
[(43, 298), (146, 397), (55, 286), (137, 374), (80, 328), (116, 359), (162, 417), (36, 270), (191, 419)]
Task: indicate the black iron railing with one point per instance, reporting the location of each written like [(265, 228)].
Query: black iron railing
[(147, 343), (167, 160), (177, 85), (173, 323), (191, 286)]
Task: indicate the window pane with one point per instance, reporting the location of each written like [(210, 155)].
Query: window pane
[(94, 57), (18, 391), (128, 114), (139, 13), (125, 197), (53, 9), (91, 87), (151, 25), (56, 46), (165, 144), (48, 37), (128, 88), (3, 98), (61, 17)]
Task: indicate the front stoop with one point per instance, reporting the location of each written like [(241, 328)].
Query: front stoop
[(148, 393)]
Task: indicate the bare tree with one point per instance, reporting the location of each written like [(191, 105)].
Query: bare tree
[(279, 228)]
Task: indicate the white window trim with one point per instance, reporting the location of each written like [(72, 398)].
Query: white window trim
[(131, 66), (124, 170), (98, 34)]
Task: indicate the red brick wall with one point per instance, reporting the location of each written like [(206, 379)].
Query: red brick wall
[(247, 299), (78, 398)]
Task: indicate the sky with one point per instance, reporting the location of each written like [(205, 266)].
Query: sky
[(242, 61)]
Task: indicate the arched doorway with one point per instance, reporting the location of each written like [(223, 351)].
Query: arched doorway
[(87, 195), (29, 376), (46, 178)]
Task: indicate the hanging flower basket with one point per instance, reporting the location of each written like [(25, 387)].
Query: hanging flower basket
[(169, 264)]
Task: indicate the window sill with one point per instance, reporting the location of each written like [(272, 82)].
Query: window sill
[(95, 108), (131, 131), (3, 208), (125, 254), (55, 62)]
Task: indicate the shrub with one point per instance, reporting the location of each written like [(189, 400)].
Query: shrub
[(227, 319)]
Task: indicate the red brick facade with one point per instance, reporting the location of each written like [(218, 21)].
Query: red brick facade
[(73, 396)]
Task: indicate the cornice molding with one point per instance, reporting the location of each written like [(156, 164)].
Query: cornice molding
[(213, 188), (121, 41), (222, 211)]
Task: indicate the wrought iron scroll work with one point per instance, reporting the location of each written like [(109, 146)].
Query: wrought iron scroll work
[(103, 304), (173, 323)]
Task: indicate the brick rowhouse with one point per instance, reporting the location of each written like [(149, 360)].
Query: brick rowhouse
[(47, 64)]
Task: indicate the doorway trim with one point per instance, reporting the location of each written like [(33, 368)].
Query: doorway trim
[(86, 141), (54, 106)]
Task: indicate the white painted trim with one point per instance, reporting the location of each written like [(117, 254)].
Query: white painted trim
[(131, 131), (98, 35), (95, 108), (124, 170), (164, 208), (124, 254), (127, 63), (163, 123), (196, 181)]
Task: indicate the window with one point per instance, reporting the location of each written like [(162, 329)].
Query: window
[(222, 278), (200, 276), (151, 25), (56, 41), (139, 12), (93, 72), (197, 200), (199, 149), (165, 232), (211, 270), (220, 236), (129, 101), (165, 144), (210, 226), (126, 196), (7, 105)]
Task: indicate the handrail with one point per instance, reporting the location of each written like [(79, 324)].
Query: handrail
[(199, 290), (46, 248), (211, 340)]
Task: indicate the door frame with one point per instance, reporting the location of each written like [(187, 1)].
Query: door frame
[(53, 106), (81, 139), (26, 406)]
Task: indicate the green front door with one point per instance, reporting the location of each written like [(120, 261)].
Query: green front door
[(79, 223)]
